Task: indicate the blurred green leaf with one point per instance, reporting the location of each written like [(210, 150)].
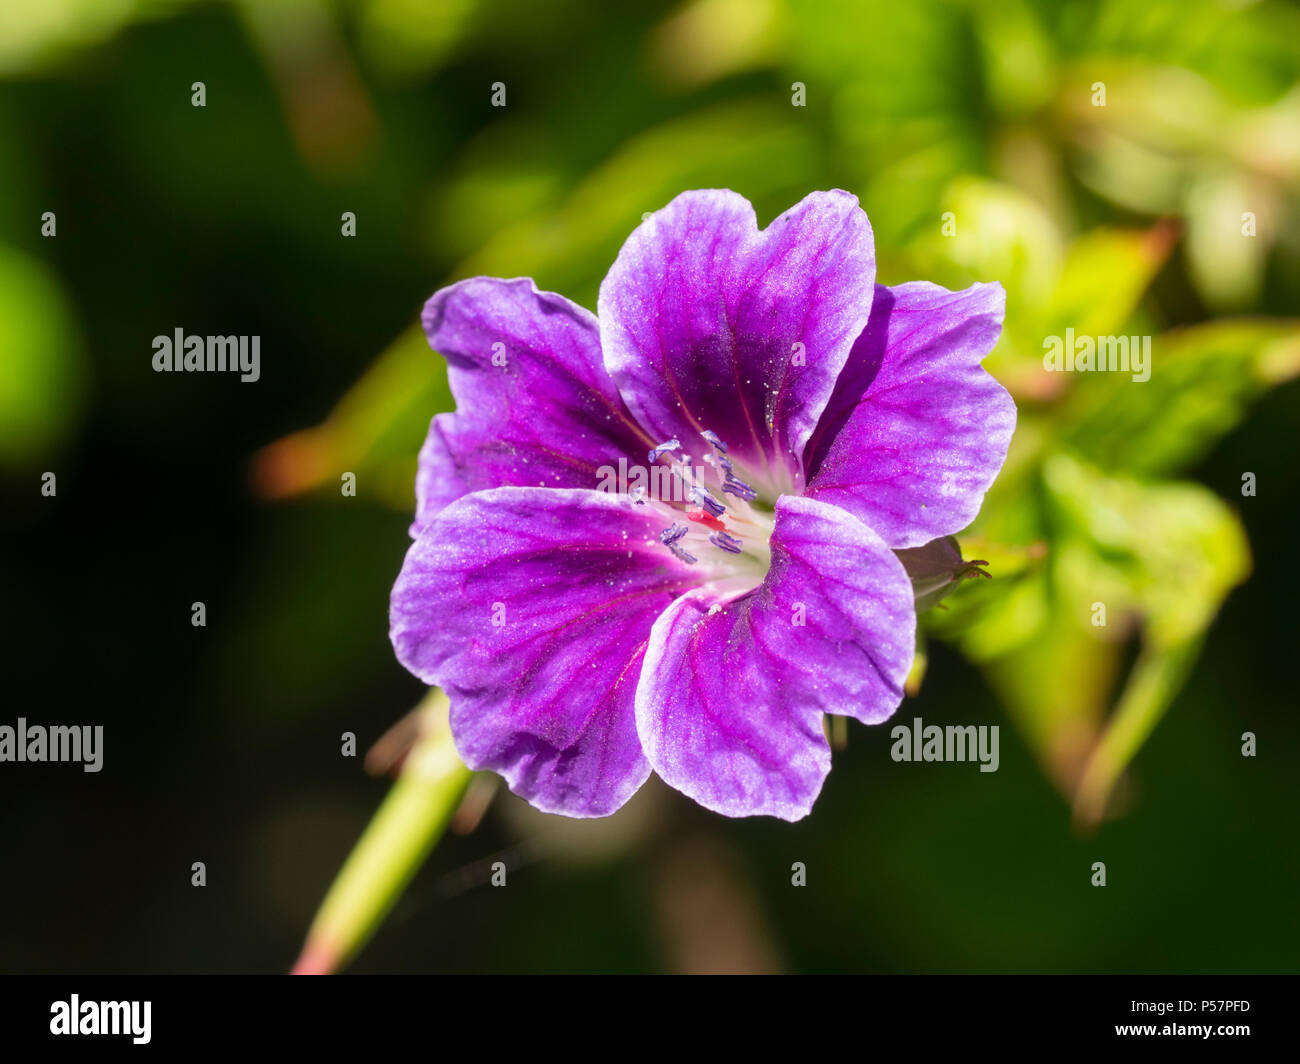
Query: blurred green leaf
[(1105, 273), (1202, 379), (993, 619), (998, 234), (41, 388), (1167, 551), (1226, 264), (409, 38), (1018, 57), (1124, 556), (710, 39), (751, 145), (38, 33), (1055, 687), (1159, 554), (903, 86), (375, 431)]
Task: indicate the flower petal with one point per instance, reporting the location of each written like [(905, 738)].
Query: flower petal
[(701, 312), (730, 704), (531, 608), (534, 404), (916, 430)]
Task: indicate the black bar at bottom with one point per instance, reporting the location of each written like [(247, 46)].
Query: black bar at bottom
[(578, 1014)]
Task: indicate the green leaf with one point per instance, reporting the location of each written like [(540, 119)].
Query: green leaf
[(1164, 555), (1226, 265), (1055, 687), (376, 430), (1106, 272), (1167, 551), (1201, 380), (41, 369), (997, 233)]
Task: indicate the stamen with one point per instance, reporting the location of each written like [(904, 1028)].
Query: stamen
[(668, 445), (669, 537), (726, 542), (701, 518), (706, 501), (672, 534), (738, 488), (743, 542), (685, 556), (720, 462)]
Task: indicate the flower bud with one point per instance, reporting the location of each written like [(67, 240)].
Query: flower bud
[(936, 569)]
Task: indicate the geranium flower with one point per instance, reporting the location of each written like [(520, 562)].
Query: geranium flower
[(814, 421)]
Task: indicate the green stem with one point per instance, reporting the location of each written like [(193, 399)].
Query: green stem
[(394, 846), (1151, 687)]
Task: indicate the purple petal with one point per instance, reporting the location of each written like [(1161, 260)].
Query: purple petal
[(730, 704), (531, 608), (916, 430), (544, 412), (700, 314)]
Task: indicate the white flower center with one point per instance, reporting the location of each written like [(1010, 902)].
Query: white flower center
[(729, 541)]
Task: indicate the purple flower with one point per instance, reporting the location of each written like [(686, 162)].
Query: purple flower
[(815, 421)]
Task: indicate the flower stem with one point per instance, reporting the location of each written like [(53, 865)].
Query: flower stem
[(1151, 687), (395, 844)]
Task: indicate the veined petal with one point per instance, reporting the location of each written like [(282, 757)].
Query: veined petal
[(732, 693), (531, 608), (534, 404), (701, 313), (916, 430)]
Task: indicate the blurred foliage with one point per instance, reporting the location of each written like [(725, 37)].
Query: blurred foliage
[(1042, 133), (1126, 217), (40, 389)]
